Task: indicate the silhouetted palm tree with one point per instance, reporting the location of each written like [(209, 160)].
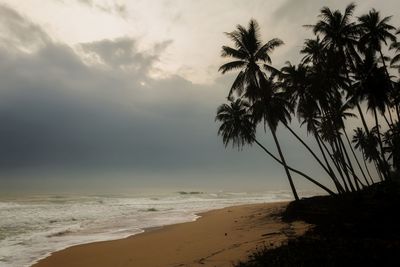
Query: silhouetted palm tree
[(396, 59), (338, 32), (271, 108), (297, 90), (237, 128), (360, 142), (314, 50), (250, 58), (375, 32), (236, 123)]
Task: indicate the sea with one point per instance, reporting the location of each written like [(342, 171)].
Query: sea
[(33, 227)]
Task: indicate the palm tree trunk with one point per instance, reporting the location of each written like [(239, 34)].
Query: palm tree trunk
[(366, 167), (384, 65), (296, 197), (351, 168), (310, 150), (335, 180), (390, 116), (342, 162), (355, 156), (380, 144), (387, 121), (362, 118), (378, 171), (346, 188), (294, 170)]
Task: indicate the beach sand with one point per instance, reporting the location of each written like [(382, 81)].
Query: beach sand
[(219, 238)]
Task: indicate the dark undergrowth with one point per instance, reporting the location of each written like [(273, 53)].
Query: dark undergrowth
[(357, 229)]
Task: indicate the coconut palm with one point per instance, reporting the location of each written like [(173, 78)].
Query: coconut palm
[(396, 59), (238, 128), (375, 32), (360, 142), (236, 123), (314, 50), (250, 57), (296, 84), (271, 108), (339, 33)]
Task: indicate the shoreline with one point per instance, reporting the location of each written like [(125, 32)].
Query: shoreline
[(223, 236)]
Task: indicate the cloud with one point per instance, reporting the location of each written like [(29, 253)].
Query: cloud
[(56, 111), (17, 32), (108, 7), (122, 53), (96, 106)]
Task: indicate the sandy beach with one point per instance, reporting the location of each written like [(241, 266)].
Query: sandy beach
[(219, 238)]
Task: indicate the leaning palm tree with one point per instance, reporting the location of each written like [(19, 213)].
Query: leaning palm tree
[(360, 142), (271, 108), (237, 128), (250, 56), (295, 80), (236, 123)]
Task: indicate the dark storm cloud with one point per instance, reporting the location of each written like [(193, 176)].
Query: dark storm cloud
[(107, 113), (56, 111)]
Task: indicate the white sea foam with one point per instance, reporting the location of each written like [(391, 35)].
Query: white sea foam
[(32, 228)]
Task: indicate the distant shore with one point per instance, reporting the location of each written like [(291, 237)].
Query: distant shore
[(218, 238)]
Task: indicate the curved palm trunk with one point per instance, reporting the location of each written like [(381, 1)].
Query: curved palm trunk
[(346, 188), (296, 197), (355, 156), (362, 118), (384, 65), (384, 171), (387, 121), (390, 115), (335, 180), (381, 172), (349, 164), (309, 149), (366, 167), (294, 170), (378, 171), (342, 163)]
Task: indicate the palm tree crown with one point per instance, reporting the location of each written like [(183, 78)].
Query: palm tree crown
[(250, 57), (236, 123)]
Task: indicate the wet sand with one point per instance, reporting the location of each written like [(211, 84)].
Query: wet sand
[(219, 238)]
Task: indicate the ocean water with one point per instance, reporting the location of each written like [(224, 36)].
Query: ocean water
[(33, 227)]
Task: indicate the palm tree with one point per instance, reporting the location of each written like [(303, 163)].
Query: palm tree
[(396, 59), (394, 64), (314, 50), (250, 58), (339, 33), (272, 107), (360, 142), (238, 128), (295, 82), (392, 140), (375, 32)]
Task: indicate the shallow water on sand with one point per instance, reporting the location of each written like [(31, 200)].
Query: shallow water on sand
[(32, 227)]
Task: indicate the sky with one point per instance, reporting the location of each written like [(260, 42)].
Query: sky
[(111, 96)]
